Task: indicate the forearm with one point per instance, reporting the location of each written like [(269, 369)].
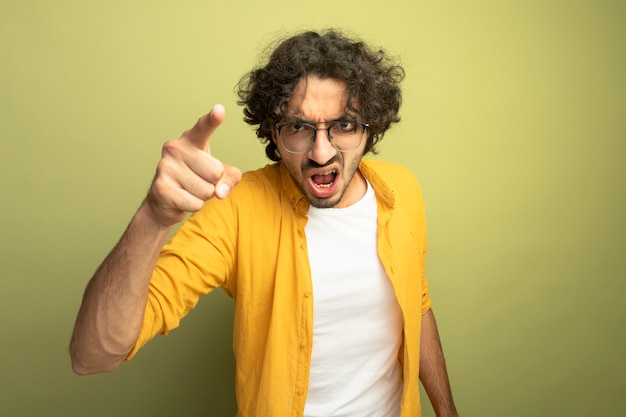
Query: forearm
[(111, 314), (114, 302), (433, 372)]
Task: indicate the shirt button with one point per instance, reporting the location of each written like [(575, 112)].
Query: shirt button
[(300, 392), (307, 294), (303, 344)]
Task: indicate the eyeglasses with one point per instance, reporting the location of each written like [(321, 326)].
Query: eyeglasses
[(299, 137)]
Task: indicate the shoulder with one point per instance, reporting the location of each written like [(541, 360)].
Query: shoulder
[(395, 185), (394, 176), (262, 180), (258, 193), (270, 172)]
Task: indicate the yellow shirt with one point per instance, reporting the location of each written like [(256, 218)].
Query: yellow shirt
[(253, 245)]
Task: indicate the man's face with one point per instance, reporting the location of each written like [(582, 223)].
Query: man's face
[(325, 175)]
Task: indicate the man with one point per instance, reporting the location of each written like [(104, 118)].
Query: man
[(322, 252)]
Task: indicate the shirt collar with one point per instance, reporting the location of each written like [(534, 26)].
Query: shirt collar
[(381, 188), (292, 191)]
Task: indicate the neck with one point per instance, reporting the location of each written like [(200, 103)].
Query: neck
[(355, 191)]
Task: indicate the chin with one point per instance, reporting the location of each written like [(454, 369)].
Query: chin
[(328, 202)]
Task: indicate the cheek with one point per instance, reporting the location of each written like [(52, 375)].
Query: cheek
[(351, 161), (294, 164)]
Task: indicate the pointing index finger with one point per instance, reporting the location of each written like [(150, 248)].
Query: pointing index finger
[(200, 134)]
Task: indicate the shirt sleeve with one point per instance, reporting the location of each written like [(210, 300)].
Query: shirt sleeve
[(199, 258), (426, 301)]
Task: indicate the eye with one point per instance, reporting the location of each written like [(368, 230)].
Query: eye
[(297, 131), (345, 126), (296, 127)]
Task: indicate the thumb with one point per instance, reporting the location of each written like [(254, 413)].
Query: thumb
[(231, 177), (200, 134)]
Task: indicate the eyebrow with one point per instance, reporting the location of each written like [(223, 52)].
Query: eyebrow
[(296, 119)]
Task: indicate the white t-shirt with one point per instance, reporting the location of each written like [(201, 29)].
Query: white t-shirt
[(357, 322)]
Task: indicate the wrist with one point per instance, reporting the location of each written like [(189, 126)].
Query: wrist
[(158, 217), (150, 223)]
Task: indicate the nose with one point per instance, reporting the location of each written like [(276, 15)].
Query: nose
[(322, 151)]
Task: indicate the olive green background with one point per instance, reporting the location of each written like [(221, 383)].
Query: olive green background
[(513, 120)]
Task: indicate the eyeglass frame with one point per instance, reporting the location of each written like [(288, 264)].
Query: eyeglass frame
[(316, 129)]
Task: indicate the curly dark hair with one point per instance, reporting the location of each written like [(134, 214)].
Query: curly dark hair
[(372, 79)]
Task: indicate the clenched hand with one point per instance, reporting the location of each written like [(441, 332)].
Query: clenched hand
[(188, 175)]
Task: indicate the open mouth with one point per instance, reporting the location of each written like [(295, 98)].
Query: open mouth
[(325, 179)]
